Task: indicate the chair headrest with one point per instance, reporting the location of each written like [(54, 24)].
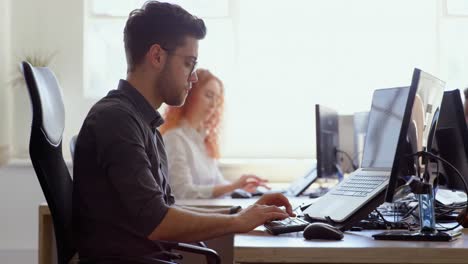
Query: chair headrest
[(47, 103)]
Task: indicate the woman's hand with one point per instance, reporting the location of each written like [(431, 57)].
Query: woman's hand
[(250, 182)]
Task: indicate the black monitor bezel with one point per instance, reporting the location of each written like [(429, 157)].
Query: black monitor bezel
[(392, 184)]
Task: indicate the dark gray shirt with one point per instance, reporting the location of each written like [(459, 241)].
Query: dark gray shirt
[(120, 192)]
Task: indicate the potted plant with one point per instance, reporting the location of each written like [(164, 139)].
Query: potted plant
[(18, 107), (36, 60)]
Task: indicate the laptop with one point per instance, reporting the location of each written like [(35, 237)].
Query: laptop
[(297, 187), (371, 179)]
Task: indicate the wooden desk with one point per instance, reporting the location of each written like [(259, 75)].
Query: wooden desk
[(356, 247), (46, 245)]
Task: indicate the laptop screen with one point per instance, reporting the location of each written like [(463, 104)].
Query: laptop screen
[(385, 121)]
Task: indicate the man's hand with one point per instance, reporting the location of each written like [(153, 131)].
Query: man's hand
[(264, 210), (250, 183), (255, 215), (276, 199)]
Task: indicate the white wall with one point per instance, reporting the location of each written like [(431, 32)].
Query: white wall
[(34, 27), (4, 78), (44, 27), (24, 36), (20, 196)]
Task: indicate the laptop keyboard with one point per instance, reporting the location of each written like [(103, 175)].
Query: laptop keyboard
[(288, 225), (359, 185)]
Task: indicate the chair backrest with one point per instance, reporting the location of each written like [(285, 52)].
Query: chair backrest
[(45, 149), (72, 146)]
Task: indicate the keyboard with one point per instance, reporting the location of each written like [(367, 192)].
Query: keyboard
[(359, 185), (288, 225)]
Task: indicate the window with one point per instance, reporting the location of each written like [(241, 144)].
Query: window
[(454, 44), (105, 54), (277, 59)]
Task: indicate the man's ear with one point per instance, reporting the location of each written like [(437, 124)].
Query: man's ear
[(156, 56)]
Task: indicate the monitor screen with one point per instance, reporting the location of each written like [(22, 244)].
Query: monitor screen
[(385, 120), (452, 140), (326, 125), (360, 121), (419, 124)]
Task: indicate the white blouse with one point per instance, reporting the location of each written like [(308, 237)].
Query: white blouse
[(192, 173)]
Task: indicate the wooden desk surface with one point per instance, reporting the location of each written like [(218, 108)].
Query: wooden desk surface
[(356, 247)]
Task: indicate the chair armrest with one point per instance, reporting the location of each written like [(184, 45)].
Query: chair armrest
[(120, 259), (211, 256), (201, 244)]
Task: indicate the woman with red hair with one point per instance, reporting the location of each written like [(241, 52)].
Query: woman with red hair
[(191, 137)]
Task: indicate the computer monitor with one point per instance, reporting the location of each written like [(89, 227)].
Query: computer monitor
[(326, 125), (360, 121), (418, 128), (452, 140)]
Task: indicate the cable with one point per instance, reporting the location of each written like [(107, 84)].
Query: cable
[(410, 212), (388, 223), (422, 153)]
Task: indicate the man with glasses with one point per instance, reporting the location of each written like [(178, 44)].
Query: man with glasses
[(122, 203)]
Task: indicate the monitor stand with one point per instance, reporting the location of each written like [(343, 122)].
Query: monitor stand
[(418, 235), (428, 232)]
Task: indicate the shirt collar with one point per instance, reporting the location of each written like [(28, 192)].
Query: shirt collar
[(150, 115)]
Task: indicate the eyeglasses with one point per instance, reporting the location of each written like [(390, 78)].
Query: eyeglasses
[(193, 60)]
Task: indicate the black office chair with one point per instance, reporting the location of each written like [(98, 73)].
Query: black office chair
[(45, 149), (72, 146)]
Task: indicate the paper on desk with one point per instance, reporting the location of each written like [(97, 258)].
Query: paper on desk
[(448, 197)]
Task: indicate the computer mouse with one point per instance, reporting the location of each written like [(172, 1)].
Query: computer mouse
[(322, 231), (240, 193)]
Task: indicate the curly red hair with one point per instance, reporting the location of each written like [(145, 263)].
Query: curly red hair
[(174, 115)]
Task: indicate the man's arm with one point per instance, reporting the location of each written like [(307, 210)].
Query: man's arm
[(206, 210), (186, 226)]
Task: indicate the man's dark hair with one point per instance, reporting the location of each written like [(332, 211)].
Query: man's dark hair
[(466, 93), (158, 23)]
